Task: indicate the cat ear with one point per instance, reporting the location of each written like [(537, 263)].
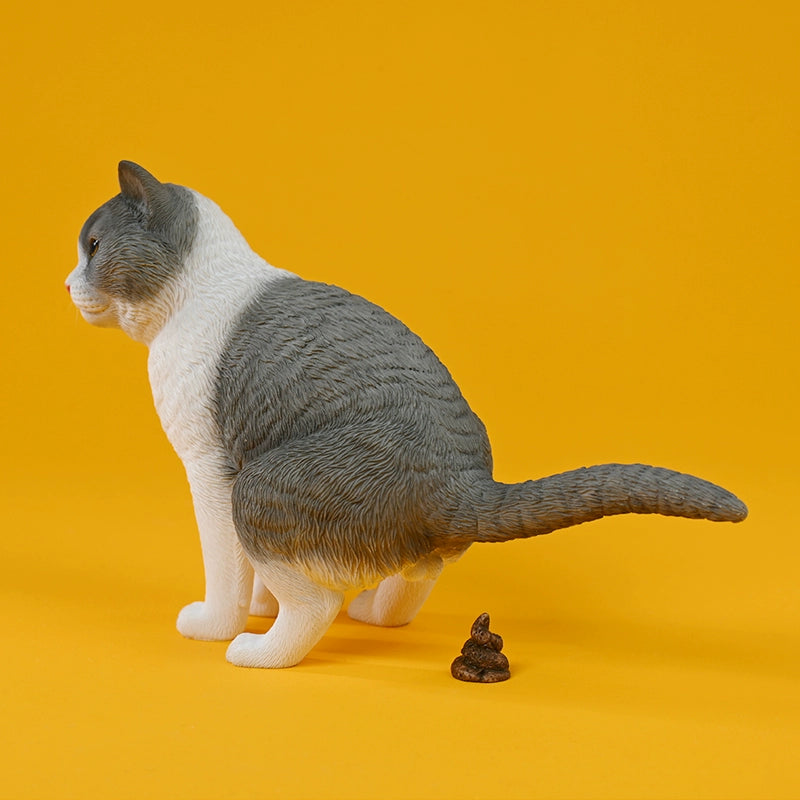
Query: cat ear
[(139, 185)]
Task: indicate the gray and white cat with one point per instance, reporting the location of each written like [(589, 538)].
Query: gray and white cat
[(326, 446)]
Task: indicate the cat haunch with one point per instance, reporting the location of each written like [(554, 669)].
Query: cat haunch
[(326, 446)]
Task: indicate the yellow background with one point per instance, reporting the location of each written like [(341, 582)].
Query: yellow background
[(590, 211)]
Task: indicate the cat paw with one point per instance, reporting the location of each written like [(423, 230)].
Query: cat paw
[(263, 603), (252, 650), (198, 621), (360, 607), (268, 608), (395, 601), (371, 606)]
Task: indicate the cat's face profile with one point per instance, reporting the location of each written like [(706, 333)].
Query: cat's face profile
[(130, 250)]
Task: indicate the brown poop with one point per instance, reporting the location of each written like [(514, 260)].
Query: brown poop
[(481, 660)]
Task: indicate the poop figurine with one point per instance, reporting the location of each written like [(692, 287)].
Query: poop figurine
[(481, 660)]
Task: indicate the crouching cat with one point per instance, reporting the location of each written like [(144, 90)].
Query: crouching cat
[(327, 448)]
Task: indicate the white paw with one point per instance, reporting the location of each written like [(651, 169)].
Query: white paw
[(251, 650), (360, 607), (395, 601), (263, 604), (267, 609), (198, 621)]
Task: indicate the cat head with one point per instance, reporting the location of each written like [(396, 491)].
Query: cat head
[(131, 251)]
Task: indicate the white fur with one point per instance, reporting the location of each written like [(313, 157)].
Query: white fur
[(96, 307), (263, 603), (394, 601), (221, 275), (186, 326), (141, 321), (306, 612)]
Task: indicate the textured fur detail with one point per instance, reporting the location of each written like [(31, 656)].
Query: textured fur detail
[(130, 251), (325, 444), (346, 435), (221, 275)]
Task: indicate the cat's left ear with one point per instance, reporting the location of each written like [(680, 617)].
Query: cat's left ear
[(138, 185)]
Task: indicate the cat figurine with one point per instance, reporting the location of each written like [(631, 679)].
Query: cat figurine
[(326, 446)]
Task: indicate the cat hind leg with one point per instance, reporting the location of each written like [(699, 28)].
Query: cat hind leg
[(305, 612), (263, 602), (393, 602)]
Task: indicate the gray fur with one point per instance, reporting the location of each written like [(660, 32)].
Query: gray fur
[(351, 445), (533, 508), (144, 235), (321, 429), (344, 431)]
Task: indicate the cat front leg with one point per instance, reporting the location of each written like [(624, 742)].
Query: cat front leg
[(228, 573), (305, 611)]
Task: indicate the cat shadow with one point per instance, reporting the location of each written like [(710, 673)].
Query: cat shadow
[(83, 594), (351, 639)]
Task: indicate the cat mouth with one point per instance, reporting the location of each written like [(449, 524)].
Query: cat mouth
[(95, 308), (94, 311), (89, 304), (100, 314)]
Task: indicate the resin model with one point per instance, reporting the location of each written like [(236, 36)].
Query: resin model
[(326, 446), (481, 659)]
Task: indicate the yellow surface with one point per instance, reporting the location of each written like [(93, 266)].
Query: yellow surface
[(590, 210)]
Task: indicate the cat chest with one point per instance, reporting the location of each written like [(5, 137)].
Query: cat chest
[(183, 372)]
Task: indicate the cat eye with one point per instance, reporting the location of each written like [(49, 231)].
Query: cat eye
[(93, 245)]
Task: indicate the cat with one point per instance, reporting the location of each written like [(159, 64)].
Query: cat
[(326, 446)]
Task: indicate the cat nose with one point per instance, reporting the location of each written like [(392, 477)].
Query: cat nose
[(67, 287)]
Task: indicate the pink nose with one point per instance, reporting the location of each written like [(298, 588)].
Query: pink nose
[(69, 291)]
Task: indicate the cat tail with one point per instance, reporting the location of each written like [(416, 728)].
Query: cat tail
[(516, 511)]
